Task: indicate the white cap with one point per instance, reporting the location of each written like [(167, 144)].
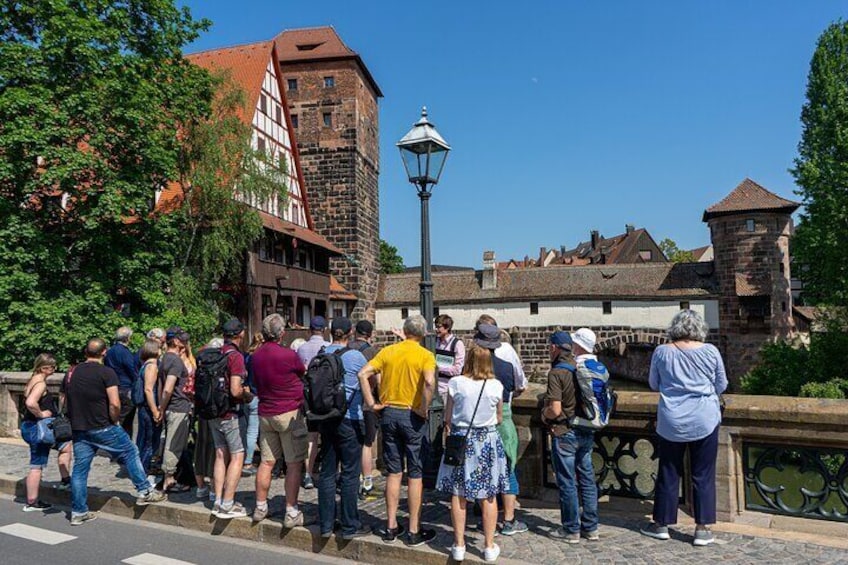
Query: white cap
[(585, 338)]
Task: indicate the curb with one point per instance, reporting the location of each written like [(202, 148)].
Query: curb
[(270, 532)]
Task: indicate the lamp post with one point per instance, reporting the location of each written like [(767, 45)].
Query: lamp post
[(424, 152)]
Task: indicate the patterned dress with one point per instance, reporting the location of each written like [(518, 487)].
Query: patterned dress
[(485, 472)]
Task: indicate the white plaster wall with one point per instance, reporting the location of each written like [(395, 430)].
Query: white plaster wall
[(647, 314)]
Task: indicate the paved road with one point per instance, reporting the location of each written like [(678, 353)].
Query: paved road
[(28, 538)]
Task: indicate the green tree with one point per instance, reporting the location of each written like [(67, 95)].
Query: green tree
[(98, 111), (390, 259), (821, 172), (675, 254)]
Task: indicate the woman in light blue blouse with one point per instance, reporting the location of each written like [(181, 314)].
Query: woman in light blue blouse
[(689, 375)]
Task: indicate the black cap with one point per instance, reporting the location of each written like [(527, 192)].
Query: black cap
[(232, 328), (364, 327), (172, 332), (341, 325)]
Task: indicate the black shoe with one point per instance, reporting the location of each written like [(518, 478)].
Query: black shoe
[(391, 534), (360, 533), (420, 538)]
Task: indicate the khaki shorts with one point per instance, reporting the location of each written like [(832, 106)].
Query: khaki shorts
[(284, 434)]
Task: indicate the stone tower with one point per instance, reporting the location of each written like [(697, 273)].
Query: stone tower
[(750, 230), (333, 102)]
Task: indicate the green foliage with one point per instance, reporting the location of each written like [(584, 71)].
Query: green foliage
[(675, 254), (821, 172), (98, 111), (834, 388), (791, 369), (390, 259)]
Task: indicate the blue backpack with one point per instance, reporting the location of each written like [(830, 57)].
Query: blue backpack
[(595, 397)]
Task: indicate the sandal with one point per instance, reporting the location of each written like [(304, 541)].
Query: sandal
[(177, 488)]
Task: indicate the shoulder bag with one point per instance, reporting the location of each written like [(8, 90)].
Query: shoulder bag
[(455, 444)]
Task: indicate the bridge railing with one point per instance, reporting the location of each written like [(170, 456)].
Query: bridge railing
[(778, 456)]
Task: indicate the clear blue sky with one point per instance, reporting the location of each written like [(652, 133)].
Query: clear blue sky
[(568, 116)]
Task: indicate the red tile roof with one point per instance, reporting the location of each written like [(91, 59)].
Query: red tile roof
[(319, 44), (670, 281), (338, 291), (750, 197), (246, 65), (747, 285)]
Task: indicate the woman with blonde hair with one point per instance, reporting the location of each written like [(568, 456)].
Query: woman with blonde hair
[(149, 416), (41, 404), (251, 412), (480, 472)]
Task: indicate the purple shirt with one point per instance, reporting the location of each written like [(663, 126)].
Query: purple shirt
[(310, 349), (277, 373)]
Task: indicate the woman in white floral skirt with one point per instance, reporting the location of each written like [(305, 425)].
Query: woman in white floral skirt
[(474, 407)]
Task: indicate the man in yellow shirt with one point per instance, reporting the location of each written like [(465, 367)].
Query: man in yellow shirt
[(407, 381)]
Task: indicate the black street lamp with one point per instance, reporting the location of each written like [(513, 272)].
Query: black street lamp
[(424, 152)]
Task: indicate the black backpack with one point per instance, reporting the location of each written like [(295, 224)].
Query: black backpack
[(323, 387), (211, 380)]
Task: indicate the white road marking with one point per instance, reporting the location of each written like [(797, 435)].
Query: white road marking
[(36, 534), (153, 559)]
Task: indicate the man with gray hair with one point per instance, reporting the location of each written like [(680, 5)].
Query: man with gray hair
[(124, 362), (158, 334), (277, 376), (407, 381)]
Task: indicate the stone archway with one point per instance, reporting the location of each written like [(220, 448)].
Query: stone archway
[(628, 355)]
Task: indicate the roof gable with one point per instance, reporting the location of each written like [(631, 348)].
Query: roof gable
[(749, 196)]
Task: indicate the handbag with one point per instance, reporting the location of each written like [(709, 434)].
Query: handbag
[(44, 431), (61, 424), (455, 445)]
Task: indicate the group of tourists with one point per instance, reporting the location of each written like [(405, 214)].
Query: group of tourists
[(317, 409)]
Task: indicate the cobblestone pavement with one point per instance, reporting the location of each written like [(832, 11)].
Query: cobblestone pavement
[(620, 539)]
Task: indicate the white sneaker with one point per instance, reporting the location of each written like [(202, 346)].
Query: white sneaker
[(491, 554), (457, 552), (237, 511)]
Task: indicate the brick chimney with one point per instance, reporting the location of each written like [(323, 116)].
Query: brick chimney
[(595, 238), (490, 271)]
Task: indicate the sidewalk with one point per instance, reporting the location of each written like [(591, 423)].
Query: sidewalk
[(620, 538)]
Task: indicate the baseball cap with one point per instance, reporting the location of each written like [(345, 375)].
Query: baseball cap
[(585, 338), (341, 325), (488, 336), (364, 327), (317, 323), (232, 328), (562, 340), (173, 332)]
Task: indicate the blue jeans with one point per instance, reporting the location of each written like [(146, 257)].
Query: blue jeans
[(114, 441), (571, 455), (251, 414), (148, 437), (340, 446)]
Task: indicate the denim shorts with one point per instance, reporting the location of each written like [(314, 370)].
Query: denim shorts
[(39, 453), (403, 433), (226, 434)]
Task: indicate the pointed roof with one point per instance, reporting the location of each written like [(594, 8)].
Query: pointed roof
[(319, 44), (749, 197), (246, 65)]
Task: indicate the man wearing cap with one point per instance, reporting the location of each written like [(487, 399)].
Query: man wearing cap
[(341, 444), (488, 336), (229, 448), (571, 447), (362, 343), (174, 404), (277, 376), (307, 352), (407, 383), (507, 352)]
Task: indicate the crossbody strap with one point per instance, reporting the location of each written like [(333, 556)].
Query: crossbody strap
[(471, 423)]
